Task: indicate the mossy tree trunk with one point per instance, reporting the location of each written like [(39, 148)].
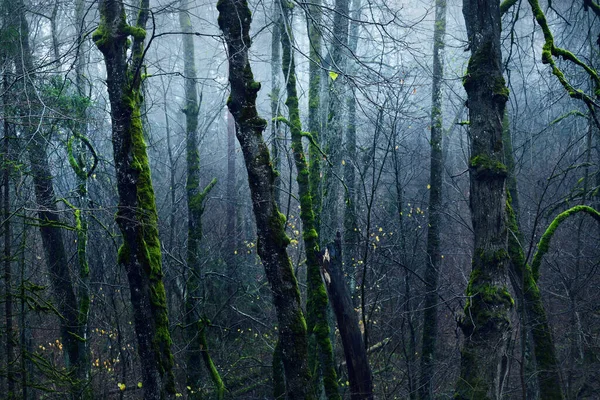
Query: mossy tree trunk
[(486, 324), (195, 326), (234, 20), (314, 16), (359, 371), (80, 149), (317, 302), (48, 213), (79, 162), (433, 253), (136, 217), (275, 90)]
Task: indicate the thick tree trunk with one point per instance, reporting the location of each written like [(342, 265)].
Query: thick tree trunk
[(434, 258), (316, 307), (234, 20), (359, 371), (486, 324), (137, 218)]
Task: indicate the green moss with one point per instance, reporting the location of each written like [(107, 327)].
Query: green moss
[(544, 243), (136, 32), (278, 226), (485, 167), (123, 254), (500, 90)]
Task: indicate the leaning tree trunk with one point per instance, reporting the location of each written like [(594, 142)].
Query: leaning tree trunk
[(433, 254), (547, 369), (359, 371), (48, 213), (316, 307), (137, 218), (486, 324), (234, 20)]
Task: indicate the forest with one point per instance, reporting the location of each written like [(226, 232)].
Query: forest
[(290, 199)]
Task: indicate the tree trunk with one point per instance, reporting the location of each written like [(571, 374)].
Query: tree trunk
[(275, 89), (234, 20), (314, 16), (195, 201), (316, 307), (351, 235), (486, 324), (547, 369), (434, 257), (137, 218), (335, 131), (8, 300), (48, 214), (359, 372)]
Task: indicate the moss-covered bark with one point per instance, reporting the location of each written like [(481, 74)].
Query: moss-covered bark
[(195, 331), (275, 91), (314, 16), (434, 255), (79, 163), (136, 217), (234, 20), (547, 368), (551, 51), (317, 302), (486, 324)]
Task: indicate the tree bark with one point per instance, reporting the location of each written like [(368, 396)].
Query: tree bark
[(48, 214), (486, 324), (335, 131), (7, 261), (137, 218), (359, 371), (234, 20), (351, 235), (314, 16), (275, 89), (433, 253), (316, 307), (195, 200)]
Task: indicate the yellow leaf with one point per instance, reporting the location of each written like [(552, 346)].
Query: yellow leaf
[(140, 385), (121, 386), (428, 187), (333, 75)]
